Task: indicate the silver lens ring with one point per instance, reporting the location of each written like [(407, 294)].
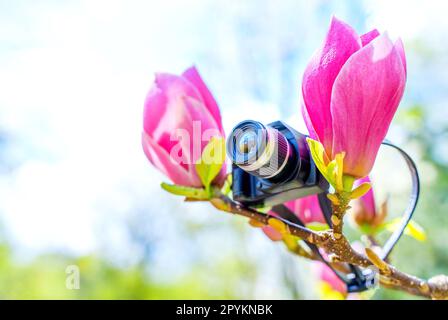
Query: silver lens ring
[(258, 150), (247, 142), (274, 158)]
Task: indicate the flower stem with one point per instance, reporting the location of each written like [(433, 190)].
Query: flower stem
[(339, 208)]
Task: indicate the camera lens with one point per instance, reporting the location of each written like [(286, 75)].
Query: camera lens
[(248, 142), (258, 150)]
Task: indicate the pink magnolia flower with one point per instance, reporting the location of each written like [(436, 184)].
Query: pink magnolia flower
[(328, 276), (350, 91), (364, 208), (180, 117), (325, 274), (306, 209)]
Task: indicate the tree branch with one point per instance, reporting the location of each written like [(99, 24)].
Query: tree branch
[(337, 246)]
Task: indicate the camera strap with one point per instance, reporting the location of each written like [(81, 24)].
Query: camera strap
[(407, 215), (356, 280)]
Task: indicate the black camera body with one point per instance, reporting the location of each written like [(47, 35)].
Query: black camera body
[(296, 175)]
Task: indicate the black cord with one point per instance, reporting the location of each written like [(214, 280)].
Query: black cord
[(356, 281), (285, 213), (407, 215)]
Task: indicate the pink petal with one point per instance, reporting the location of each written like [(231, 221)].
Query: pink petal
[(340, 43), (194, 77), (327, 275), (176, 84), (310, 211), (367, 201), (272, 234), (400, 48), (307, 209), (165, 112), (222, 175), (308, 123), (202, 129), (164, 107), (178, 125), (366, 38), (161, 159), (176, 107), (155, 107), (365, 96)]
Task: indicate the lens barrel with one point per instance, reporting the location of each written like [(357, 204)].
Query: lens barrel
[(260, 150)]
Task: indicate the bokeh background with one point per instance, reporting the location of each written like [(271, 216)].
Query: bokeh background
[(76, 189)]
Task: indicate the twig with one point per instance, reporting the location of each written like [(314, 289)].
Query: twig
[(336, 244), (226, 204)]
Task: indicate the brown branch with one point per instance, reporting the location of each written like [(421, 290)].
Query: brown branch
[(435, 288), (226, 204), (336, 245), (339, 208)]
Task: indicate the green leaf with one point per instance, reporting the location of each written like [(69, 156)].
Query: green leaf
[(317, 226), (339, 170), (413, 229), (264, 209), (189, 192), (348, 181), (317, 153), (330, 172), (290, 242), (334, 171), (333, 198), (212, 159), (361, 190), (227, 187), (370, 230)]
